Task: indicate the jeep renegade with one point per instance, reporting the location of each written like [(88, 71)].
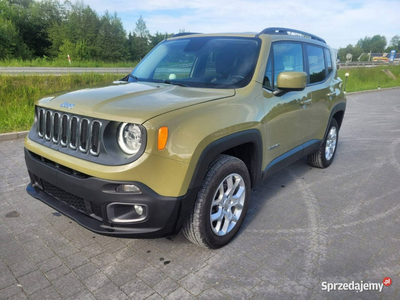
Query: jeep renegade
[(180, 142)]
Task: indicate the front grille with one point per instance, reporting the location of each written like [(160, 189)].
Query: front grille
[(96, 209), (70, 131), (72, 200), (68, 198)]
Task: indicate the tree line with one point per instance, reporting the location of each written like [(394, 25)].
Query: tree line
[(375, 44), (50, 29)]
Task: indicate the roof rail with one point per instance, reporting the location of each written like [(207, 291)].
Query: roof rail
[(184, 33), (279, 30)]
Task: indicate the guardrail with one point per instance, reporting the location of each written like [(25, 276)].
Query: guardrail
[(367, 64), (60, 71)]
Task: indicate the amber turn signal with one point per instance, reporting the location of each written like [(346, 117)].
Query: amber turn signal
[(162, 137)]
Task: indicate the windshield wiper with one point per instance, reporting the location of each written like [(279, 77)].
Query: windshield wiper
[(133, 77), (174, 83)]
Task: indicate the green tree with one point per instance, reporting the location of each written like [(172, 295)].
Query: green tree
[(157, 38), (11, 45), (394, 44), (32, 20), (356, 51), (52, 28), (376, 44), (141, 40), (79, 26), (111, 39)]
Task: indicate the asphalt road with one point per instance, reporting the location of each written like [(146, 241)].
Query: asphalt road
[(60, 71), (305, 226)]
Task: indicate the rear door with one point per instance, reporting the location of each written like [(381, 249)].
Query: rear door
[(319, 66)]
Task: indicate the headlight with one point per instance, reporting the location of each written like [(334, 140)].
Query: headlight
[(129, 138)]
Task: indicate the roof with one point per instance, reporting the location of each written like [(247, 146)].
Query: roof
[(275, 32)]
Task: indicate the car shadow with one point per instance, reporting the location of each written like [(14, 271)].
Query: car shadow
[(278, 183)]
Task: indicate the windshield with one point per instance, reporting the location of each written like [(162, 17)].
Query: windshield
[(213, 62)]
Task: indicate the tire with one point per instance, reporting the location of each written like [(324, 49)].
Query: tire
[(198, 228), (321, 158)]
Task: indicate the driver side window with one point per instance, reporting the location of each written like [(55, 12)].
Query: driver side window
[(284, 57), (288, 57)]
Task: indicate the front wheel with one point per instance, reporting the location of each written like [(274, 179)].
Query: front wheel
[(323, 157), (221, 204)]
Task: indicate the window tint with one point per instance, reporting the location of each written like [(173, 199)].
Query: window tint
[(268, 75), (288, 57), (328, 58), (316, 63), (212, 62), (178, 60)]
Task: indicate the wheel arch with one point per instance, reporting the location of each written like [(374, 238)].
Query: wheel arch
[(245, 145), (337, 112), (338, 116)]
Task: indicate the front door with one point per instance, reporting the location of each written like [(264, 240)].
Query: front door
[(286, 121)]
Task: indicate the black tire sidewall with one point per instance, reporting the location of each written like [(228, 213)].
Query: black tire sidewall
[(326, 162), (230, 167)]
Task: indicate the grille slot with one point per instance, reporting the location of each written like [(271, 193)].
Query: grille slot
[(74, 131), (95, 140), (64, 130), (56, 128), (40, 123), (70, 131), (48, 125), (83, 137)]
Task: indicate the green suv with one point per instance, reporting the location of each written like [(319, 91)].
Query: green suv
[(180, 142)]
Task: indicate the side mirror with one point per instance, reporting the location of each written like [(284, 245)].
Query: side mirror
[(292, 81)]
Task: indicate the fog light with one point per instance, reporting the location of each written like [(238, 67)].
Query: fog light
[(128, 188), (139, 209), (126, 212)]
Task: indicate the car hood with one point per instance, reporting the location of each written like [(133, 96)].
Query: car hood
[(134, 102)]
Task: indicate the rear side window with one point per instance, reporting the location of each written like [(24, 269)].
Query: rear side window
[(316, 63), (328, 59)]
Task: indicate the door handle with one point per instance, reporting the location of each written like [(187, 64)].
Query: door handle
[(305, 102), (331, 94)]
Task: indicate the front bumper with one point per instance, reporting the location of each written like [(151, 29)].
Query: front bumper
[(85, 199)]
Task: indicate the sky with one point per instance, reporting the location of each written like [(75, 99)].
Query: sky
[(338, 22)]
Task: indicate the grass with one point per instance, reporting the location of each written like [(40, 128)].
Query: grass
[(362, 79), (18, 95), (42, 62)]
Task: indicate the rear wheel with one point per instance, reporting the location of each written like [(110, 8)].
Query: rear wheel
[(221, 204), (324, 156)]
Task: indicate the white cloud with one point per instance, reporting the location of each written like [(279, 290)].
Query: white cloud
[(338, 22)]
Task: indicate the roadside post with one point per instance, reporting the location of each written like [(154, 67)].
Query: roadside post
[(345, 82)]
